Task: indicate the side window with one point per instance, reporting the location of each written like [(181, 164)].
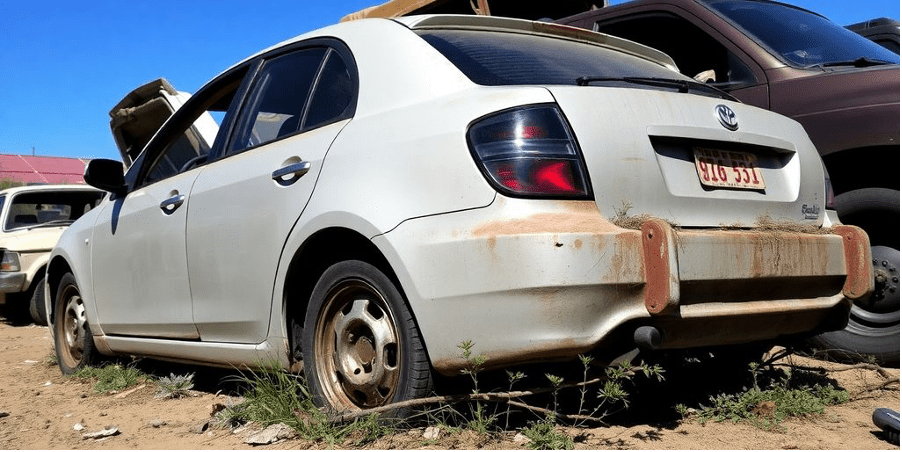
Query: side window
[(695, 52), (333, 95), (187, 138), (275, 105), (186, 147)]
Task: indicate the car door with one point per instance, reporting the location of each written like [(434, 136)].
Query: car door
[(244, 205), (138, 255)]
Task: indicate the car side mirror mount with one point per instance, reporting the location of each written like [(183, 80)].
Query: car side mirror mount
[(107, 175)]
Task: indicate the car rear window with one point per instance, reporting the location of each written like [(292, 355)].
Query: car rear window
[(501, 58)]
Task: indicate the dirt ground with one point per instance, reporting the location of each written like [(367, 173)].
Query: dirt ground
[(43, 408)]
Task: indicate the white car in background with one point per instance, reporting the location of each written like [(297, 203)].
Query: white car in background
[(32, 219), (380, 191)]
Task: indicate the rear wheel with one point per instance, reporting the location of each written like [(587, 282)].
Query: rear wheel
[(361, 345), (71, 333), (873, 328)]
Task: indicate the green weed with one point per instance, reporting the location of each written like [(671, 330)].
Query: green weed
[(112, 377), (784, 398), (274, 396), (480, 421), (543, 436)]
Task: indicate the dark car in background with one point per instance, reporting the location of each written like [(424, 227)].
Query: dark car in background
[(843, 88), (883, 31)]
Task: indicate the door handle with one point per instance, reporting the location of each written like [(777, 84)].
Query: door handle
[(170, 205), (295, 170)]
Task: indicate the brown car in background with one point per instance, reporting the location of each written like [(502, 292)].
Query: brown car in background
[(841, 87)]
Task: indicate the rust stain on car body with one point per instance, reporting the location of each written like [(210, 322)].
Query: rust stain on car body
[(580, 216), (658, 252), (860, 273), (559, 350)]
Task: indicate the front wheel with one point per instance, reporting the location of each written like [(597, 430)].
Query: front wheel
[(71, 333), (361, 345)]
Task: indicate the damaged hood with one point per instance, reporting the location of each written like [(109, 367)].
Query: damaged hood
[(141, 113)]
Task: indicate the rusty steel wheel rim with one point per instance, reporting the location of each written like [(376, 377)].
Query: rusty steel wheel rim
[(357, 347), (72, 327)]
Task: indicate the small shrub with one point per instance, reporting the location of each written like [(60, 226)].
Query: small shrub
[(767, 408), (543, 436), (52, 360), (174, 386)]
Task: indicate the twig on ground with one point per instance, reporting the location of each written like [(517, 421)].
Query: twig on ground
[(502, 397), (875, 387), (881, 371)]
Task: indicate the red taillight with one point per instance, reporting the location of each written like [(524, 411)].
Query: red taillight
[(529, 151), (555, 177)]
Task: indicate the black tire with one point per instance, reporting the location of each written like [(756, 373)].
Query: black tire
[(36, 306), (873, 328), (360, 342), (71, 333)]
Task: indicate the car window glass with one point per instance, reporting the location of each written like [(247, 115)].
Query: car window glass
[(495, 58), (187, 138), (889, 44), (31, 209), (333, 94), (185, 148), (275, 105), (694, 51), (798, 36)]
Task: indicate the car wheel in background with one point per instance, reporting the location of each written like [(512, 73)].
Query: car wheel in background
[(361, 345), (36, 306), (71, 333), (873, 328)]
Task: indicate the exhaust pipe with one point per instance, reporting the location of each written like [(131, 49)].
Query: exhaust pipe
[(648, 338)]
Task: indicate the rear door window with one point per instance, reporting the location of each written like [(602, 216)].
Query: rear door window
[(333, 97), (276, 103)]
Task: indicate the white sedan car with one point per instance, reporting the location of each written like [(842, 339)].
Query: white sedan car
[(380, 191)]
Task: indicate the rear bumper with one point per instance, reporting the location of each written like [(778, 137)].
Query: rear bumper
[(530, 281)]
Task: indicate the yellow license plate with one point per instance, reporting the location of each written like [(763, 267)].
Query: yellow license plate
[(730, 169)]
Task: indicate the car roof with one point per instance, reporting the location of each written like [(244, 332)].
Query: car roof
[(472, 22)]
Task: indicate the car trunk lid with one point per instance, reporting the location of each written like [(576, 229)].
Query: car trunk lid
[(641, 148)]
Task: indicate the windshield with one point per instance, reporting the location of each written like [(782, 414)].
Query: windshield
[(799, 37), (33, 209)]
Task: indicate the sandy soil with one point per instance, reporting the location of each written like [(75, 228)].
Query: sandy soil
[(43, 407)]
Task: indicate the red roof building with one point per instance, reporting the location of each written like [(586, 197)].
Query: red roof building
[(29, 169)]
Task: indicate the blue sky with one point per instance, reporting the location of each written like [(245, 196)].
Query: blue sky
[(64, 64)]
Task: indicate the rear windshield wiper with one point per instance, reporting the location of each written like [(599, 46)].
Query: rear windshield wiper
[(858, 62), (682, 86)]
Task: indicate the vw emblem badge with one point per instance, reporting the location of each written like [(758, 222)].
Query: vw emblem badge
[(727, 117)]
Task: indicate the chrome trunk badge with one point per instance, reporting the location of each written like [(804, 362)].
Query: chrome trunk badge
[(727, 117)]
